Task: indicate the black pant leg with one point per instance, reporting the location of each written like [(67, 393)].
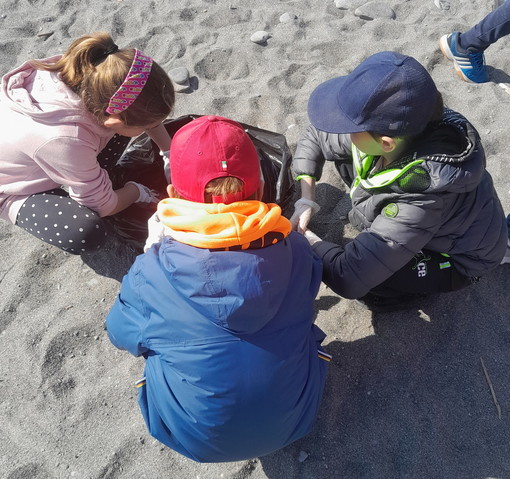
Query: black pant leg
[(428, 272), (58, 220), (111, 153)]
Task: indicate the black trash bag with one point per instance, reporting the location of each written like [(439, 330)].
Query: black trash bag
[(141, 162), (275, 161)]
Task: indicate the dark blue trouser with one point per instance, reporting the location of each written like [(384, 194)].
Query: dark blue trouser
[(493, 27), (428, 272)]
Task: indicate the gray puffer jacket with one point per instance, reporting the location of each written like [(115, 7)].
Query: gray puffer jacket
[(445, 204)]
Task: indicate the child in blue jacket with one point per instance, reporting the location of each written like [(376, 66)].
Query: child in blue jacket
[(222, 307)]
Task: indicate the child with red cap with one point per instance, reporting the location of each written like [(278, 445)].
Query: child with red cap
[(222, 307)]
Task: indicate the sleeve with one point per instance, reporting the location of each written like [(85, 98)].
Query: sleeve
[(127, 320), (315, 147), (375, 254), (72, 162), (308, 158)]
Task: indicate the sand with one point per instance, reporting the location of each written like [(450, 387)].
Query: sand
[(406, 395)]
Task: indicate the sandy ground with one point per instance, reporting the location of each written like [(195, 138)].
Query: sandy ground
[(406, 395)]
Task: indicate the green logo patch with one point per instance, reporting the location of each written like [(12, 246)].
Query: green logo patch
[(390, 210)]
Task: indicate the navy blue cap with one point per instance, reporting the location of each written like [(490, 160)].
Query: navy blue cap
[(388, 93)]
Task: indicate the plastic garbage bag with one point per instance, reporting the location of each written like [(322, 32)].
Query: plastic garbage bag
[(141, 162)]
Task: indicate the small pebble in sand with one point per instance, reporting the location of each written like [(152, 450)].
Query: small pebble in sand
[(288, 17), (45, 35), (179, 75), (4, 15), (260, 37), (372, 10), (343, 4), (302, 456), (442, 4), (180, 88), (180, 78), (505, 87)]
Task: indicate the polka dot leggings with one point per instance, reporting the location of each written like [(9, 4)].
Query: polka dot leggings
[(56, 219)]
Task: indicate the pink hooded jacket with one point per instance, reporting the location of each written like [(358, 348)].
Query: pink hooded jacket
[(49, 140)]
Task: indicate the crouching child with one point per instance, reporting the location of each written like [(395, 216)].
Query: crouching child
[(221, 305), (429, 218)]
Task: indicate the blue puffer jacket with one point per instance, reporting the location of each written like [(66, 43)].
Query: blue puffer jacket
[(232, 367)]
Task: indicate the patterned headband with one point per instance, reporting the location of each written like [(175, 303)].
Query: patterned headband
[(133, 84)]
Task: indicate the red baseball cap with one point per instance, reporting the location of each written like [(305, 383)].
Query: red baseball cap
[(212, 147)]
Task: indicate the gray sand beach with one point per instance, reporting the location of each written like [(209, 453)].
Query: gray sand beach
[(406, 396)]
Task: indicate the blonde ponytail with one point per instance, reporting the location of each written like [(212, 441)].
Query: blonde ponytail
[(94, 69)]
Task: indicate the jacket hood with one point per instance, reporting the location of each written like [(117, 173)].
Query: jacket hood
[(241, 224), (453, 154), (42, 96), (216, 261)]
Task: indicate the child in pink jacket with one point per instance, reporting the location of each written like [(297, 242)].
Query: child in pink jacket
[(65, 120)]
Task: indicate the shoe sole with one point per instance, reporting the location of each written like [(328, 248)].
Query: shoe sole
[(445, 49)]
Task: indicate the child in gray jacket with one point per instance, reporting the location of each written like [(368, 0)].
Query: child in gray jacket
[(429, 217)]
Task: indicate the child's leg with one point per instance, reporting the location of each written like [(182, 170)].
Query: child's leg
[(427, 272), (493, 27), (58, 220)]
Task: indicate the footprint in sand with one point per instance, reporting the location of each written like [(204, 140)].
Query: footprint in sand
[(61, 349), (32, 471), (226, 17), (18, 296), (120, 463), (294, 77), (222, 64)]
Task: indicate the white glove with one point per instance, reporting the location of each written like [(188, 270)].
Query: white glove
[(311, 237), (156, 232), (166, 163), (304, 209), (146, 194)]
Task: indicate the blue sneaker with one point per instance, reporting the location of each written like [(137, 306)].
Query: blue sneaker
[(469, 66)]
